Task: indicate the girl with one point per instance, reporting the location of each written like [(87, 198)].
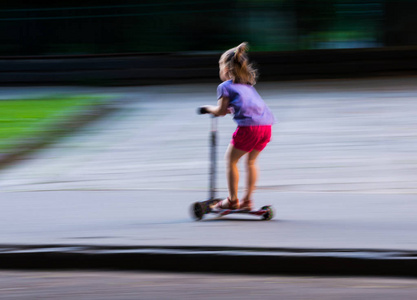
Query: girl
[(254, 119)]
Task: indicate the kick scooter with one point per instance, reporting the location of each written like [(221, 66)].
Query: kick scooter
[(199, 209)]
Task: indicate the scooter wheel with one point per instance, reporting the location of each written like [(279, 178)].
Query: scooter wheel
[(197, 211), (269, 214)]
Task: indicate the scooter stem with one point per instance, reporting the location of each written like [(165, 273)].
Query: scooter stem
[(213, 157)]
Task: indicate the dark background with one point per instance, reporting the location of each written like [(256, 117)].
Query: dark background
[(135, 42), (92, 27)]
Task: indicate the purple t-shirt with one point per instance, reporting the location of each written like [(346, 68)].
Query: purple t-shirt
[(249, 108)]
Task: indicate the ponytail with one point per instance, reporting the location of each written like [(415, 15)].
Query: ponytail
[(237, 62)]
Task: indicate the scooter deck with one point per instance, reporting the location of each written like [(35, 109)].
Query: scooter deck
[(199, 209), (224, 212)]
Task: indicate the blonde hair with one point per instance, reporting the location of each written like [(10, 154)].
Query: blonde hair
[(237, 62)]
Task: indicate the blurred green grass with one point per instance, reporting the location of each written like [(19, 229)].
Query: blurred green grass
[(22, 120)]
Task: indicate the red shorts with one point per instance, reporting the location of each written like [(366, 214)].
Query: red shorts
[(248, 138)]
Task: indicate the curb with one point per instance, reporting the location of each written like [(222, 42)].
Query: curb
[(279, 261)]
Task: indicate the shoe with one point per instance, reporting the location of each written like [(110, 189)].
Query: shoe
[(227, 204), (247, 205)]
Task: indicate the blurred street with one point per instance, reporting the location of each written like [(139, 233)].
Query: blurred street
[(146, 285), (333, 136), (340, 172)]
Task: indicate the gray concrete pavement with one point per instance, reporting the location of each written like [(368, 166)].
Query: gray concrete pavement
[(145, 285), (341, 172), (161, 218), (333, 136)]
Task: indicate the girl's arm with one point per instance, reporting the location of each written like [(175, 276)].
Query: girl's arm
[(221, 109)]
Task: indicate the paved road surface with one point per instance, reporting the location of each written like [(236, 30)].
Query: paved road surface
[(341, 171), (138, 285), (334, 136), (161, 218)]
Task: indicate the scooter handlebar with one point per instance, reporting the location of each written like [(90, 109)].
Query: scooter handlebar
[(202, 110)]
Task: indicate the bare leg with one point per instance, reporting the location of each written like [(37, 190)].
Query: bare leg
[(252, 176), (232, 157)]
